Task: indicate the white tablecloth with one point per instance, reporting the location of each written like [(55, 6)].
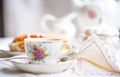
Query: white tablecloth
[(7, 69)]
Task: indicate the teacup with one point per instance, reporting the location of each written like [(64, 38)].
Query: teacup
[(46, 50)]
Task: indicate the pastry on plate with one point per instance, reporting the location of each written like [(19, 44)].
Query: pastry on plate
[(18, 42)]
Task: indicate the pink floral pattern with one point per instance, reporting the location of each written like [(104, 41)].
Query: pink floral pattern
[(92, 14), (39, 54)]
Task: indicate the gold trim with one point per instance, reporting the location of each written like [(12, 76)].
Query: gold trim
[(100, 66)]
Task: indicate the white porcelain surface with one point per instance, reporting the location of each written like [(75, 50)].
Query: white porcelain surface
[(22, 63), (47, 50), (59, 25)]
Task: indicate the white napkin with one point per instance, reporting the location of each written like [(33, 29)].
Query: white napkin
[(94, 52)]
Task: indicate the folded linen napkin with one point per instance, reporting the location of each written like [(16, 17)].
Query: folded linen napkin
[(95, 52)]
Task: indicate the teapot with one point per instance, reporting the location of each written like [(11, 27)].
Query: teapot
[(62, 26), (89, 16)]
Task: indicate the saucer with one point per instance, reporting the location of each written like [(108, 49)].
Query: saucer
[(22, 63)]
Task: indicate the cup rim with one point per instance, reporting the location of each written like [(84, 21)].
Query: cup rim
[(43, 39)]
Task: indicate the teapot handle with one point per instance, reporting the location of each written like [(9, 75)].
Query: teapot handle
[(43, 23)]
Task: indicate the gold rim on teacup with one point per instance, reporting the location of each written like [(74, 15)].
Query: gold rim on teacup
[(46, 40)]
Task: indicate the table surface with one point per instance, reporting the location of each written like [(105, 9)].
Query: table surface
[(7, 69)]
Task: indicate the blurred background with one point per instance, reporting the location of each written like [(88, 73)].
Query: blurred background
[(24, 16)]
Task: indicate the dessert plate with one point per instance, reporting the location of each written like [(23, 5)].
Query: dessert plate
[(12, 53), (22, 63)]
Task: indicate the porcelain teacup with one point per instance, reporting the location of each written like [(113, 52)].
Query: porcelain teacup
[(46, 50)]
